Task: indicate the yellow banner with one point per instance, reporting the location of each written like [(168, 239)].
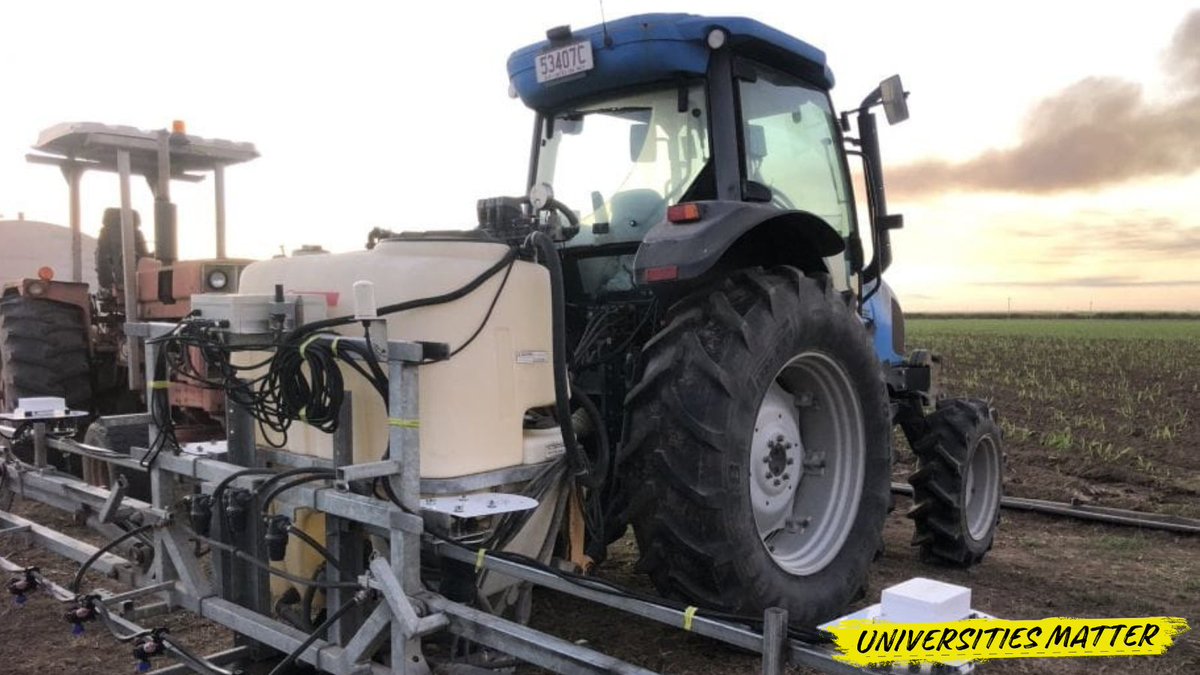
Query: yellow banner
[(863, 642)]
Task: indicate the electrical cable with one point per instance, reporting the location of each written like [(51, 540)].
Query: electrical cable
[(105, 549)]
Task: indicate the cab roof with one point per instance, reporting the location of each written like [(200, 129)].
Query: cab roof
[(655, 47), (95, 145)]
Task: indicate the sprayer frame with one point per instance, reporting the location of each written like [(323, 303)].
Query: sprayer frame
[(238, 596)]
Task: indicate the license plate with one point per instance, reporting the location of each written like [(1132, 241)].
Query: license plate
[(564, 61)]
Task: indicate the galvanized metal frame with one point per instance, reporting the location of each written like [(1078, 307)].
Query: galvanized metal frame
[(237, 593)]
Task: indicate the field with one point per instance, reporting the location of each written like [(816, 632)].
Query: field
[(1094, 411)]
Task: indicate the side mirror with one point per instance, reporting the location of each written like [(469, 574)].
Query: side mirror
[(895, 100)]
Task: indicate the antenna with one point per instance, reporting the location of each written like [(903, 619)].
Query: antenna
[(604, 26)]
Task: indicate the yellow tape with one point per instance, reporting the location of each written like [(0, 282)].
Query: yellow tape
[(404, 424), (303, 415), (479, 559), (304, 345), (160, 384), (688, 615), (333, 346)]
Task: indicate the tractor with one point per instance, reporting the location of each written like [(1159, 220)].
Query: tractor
[(686, 308), (62, 339)]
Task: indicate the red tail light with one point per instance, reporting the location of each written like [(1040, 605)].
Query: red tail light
[(684, 213)]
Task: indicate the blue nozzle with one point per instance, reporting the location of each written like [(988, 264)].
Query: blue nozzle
[(77, 629), (142, 667)]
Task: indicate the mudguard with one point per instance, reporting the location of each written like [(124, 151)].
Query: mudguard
[(688, 250)]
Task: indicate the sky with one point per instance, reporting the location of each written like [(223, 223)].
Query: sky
[(1051, 161)]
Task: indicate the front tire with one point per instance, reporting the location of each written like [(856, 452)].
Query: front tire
[(958, 483), (761, 435)]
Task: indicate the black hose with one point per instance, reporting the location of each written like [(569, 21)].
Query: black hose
[(313, 637), (241, 555), (316, 546), (282, 487), (562, 397), (324, 472), (105, 549), (450, 296)]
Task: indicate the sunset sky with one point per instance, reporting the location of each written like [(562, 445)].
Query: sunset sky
[(1052, 159)]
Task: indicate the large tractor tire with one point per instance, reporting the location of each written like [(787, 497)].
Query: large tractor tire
[(120, 438), (761, 433), (958, 483), (43, 352)]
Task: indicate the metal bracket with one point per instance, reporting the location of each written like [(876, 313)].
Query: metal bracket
[(113, 502), (353, 472)]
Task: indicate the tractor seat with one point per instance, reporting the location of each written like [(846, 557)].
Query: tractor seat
[(635, 211)]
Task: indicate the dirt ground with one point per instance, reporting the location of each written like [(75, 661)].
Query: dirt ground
[(1104, 416)]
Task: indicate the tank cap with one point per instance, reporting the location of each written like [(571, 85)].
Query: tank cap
[(364, 301)]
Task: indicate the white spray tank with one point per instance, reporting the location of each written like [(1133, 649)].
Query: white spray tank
[(472, 406)]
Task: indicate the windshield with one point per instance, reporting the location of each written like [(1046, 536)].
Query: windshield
[(619, 163)]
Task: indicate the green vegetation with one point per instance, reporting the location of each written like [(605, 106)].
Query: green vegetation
[(1117, 329), (1097, 410)]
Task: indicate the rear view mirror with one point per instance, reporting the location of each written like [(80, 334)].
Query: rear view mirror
[(895, 103)]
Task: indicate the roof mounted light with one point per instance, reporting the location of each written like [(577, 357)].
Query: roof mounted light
[(717, 38), (559, 34)]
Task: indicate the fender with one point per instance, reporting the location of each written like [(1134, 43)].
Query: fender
[(682, 251)]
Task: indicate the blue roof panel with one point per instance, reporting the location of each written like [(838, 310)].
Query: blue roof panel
[(653, 47)]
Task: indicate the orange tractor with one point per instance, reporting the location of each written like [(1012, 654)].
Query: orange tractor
[(64, 339)]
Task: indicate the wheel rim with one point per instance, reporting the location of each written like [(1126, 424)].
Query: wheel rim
[(807, 462), (983, 488)]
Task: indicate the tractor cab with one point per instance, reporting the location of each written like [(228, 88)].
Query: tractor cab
[(669, 142)]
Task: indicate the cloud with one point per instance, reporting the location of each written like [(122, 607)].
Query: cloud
[(1123, 235), (1098, 131)]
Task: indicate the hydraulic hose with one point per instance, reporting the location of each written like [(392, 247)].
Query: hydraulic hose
[(316, 546), (603, 451), (286, 663), (562, 396), (105, 549), (279, 489)]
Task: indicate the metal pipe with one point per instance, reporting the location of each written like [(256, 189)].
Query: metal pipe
[(39, 444), (73, 175), (1102, 514), (129, 270), (775, 622), (219, 189)]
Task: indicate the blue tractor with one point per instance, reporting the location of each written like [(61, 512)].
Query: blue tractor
[(722, 316)]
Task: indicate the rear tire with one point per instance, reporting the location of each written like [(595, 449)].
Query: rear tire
[(714, 389), (43, 352), (958, 483)]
